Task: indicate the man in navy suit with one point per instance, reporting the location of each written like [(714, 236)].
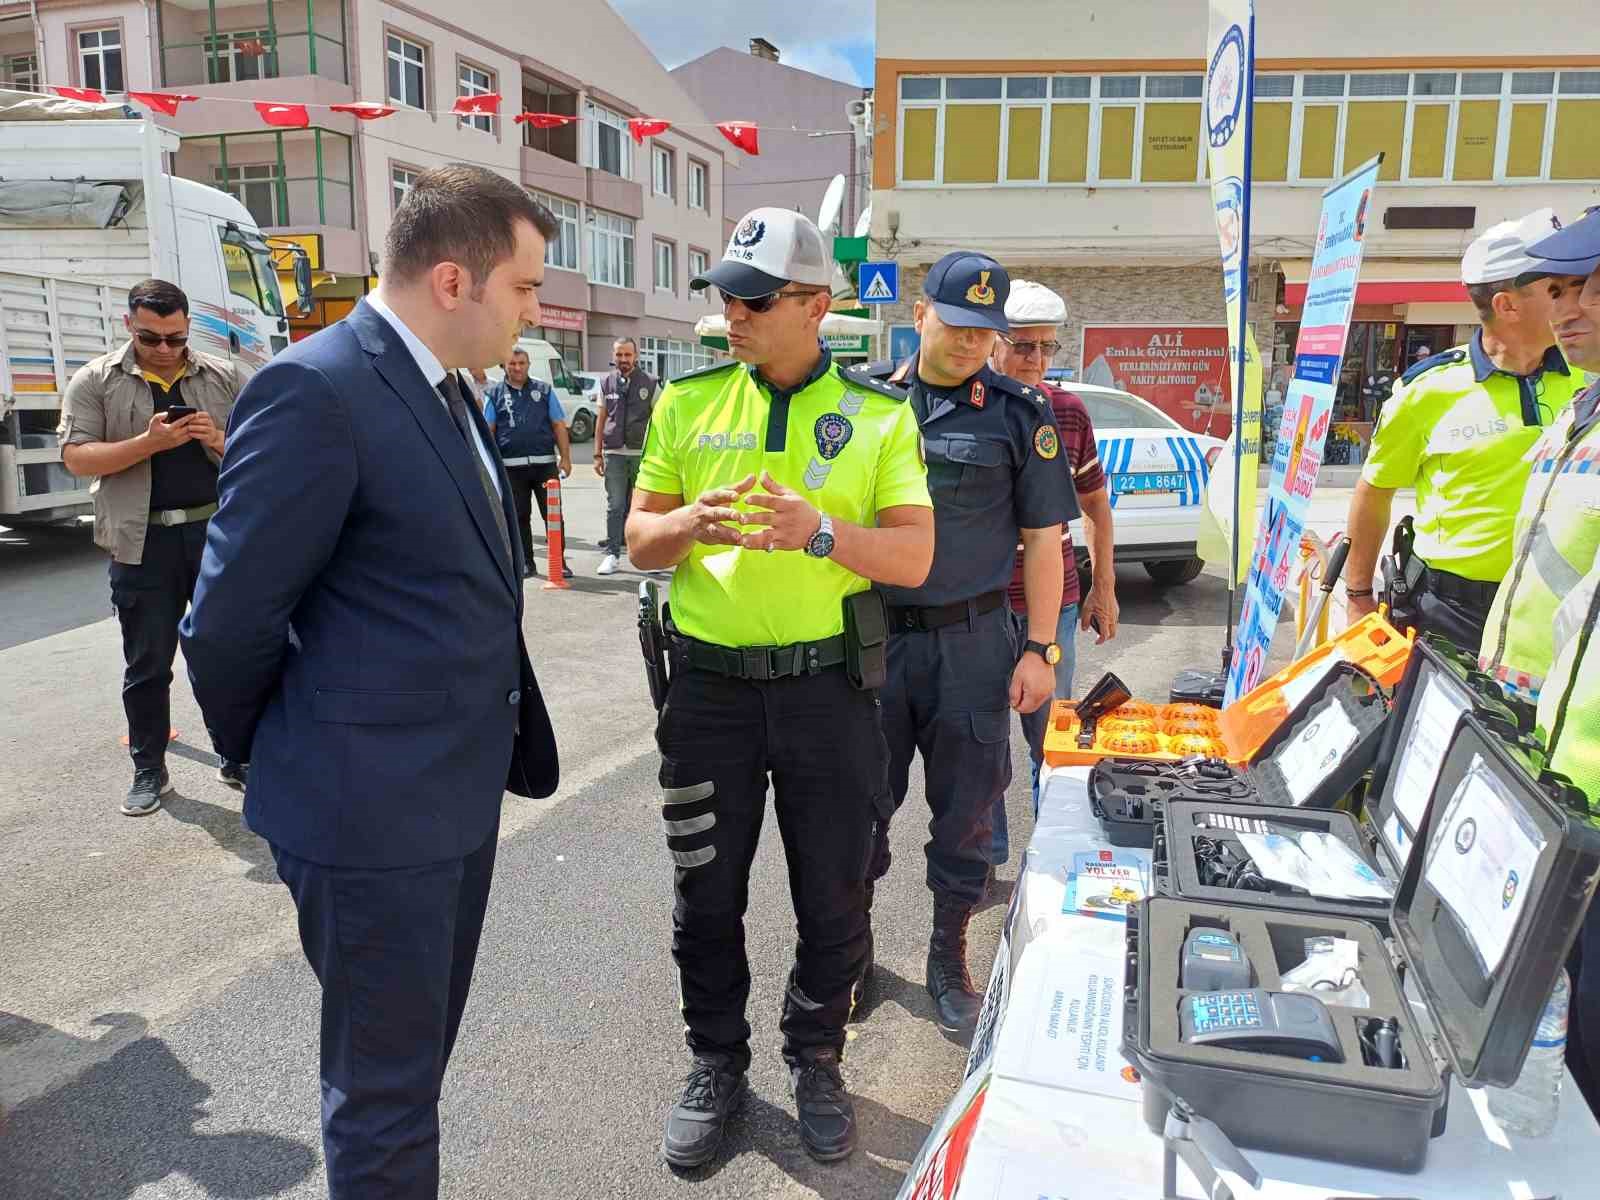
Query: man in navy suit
[(356, 637)]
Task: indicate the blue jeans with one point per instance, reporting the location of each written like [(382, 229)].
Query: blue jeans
[(1033, 728)]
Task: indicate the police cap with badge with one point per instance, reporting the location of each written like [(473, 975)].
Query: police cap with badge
[(769, 248), (1574, 250)]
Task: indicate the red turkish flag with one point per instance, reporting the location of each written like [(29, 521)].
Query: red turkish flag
[(643, 127), (476, 106), (92, 95), (543, 120), (364, 110), (289, 116), (165, 103), (742, 134)]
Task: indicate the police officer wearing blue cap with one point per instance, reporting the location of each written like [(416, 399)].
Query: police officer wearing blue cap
[(959, 661)]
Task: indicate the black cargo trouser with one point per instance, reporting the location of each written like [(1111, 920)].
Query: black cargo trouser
[(949, 697), (150, 598), (821, 741)]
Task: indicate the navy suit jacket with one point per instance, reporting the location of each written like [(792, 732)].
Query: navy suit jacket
[(356, 634)]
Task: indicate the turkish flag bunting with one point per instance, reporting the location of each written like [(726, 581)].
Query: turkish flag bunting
[(165, 103), (364, 110), (90, 94), (543, 120), (290, 116), (643, 127), (742, 134), (476, 106)]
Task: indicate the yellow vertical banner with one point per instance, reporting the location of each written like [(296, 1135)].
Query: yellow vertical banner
[(1231, 493)]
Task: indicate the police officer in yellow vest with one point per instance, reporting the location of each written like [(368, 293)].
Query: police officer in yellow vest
[(776, 490), (1540, 641), (1458, 430)]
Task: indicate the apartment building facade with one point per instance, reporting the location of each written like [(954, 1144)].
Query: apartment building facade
[(637, 220), (1072, 150), (806, 136)]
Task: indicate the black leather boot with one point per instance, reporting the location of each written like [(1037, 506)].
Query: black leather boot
[(955, 1003), (827, 1116), (694, 1126)]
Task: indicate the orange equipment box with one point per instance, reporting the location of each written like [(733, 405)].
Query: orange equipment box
[(1169, 732)]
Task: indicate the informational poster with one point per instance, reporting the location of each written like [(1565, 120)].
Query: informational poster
[(1307, 409), (1230, 72), (1181, 369)]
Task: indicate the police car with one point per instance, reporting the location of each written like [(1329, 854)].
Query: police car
[(1156, 472)]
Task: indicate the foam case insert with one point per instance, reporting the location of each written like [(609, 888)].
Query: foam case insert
[(1348, 1111)]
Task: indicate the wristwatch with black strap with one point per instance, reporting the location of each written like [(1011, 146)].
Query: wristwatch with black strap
[(1050, 652)]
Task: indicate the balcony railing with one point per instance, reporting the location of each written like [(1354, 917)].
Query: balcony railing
[(223, 42), (287, 179)]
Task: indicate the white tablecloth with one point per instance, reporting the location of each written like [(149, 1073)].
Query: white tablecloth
[(1031, 1134)]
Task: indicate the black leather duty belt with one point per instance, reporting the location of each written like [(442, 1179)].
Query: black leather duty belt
[(759, 663), (910, 617)]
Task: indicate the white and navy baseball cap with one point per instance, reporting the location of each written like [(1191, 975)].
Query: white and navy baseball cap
[(769, 248), (1502, 251), (1575, 250)]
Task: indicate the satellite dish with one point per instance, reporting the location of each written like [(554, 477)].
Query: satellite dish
[(864, 222), (832, 201)]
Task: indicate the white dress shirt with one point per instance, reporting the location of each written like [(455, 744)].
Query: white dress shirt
[(433, 371)]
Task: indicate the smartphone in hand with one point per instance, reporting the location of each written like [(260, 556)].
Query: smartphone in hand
[(178, 412)]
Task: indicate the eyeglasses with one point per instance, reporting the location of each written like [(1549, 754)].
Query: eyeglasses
[(1029, 349), (759, 304), (148, 338)]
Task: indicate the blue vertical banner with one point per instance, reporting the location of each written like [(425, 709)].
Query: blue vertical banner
[(1307, 410)]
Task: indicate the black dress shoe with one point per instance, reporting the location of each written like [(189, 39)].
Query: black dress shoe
[(827, 1115), (694, 1126)]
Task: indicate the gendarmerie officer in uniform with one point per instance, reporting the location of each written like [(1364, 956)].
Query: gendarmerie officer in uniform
[(959, 661), (775, 490), (529, 426), (1458, 430)]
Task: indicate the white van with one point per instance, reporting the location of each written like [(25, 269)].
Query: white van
[(544, 362)]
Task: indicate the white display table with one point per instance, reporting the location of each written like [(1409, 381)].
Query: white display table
[(1031, 1141)]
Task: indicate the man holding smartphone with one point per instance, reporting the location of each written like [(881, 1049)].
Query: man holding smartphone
[(147, 421)]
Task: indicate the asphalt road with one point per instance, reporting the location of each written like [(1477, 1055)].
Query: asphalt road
[(158, 1024)]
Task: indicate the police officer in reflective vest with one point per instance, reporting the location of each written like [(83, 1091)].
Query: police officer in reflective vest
[(1541, 641), (775, 491), (959, 660), (530, 428), (1458, 430)]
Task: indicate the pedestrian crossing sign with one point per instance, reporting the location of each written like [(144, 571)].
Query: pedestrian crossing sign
[(878, 283)]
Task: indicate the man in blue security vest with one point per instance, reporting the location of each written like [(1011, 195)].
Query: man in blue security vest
[(530, 427)]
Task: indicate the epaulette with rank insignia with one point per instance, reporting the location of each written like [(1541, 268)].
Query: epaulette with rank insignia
[(874, 377), (1014, 387), (1445, 358)]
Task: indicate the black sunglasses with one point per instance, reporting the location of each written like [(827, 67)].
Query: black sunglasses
[(759, 304), (176, 340)]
